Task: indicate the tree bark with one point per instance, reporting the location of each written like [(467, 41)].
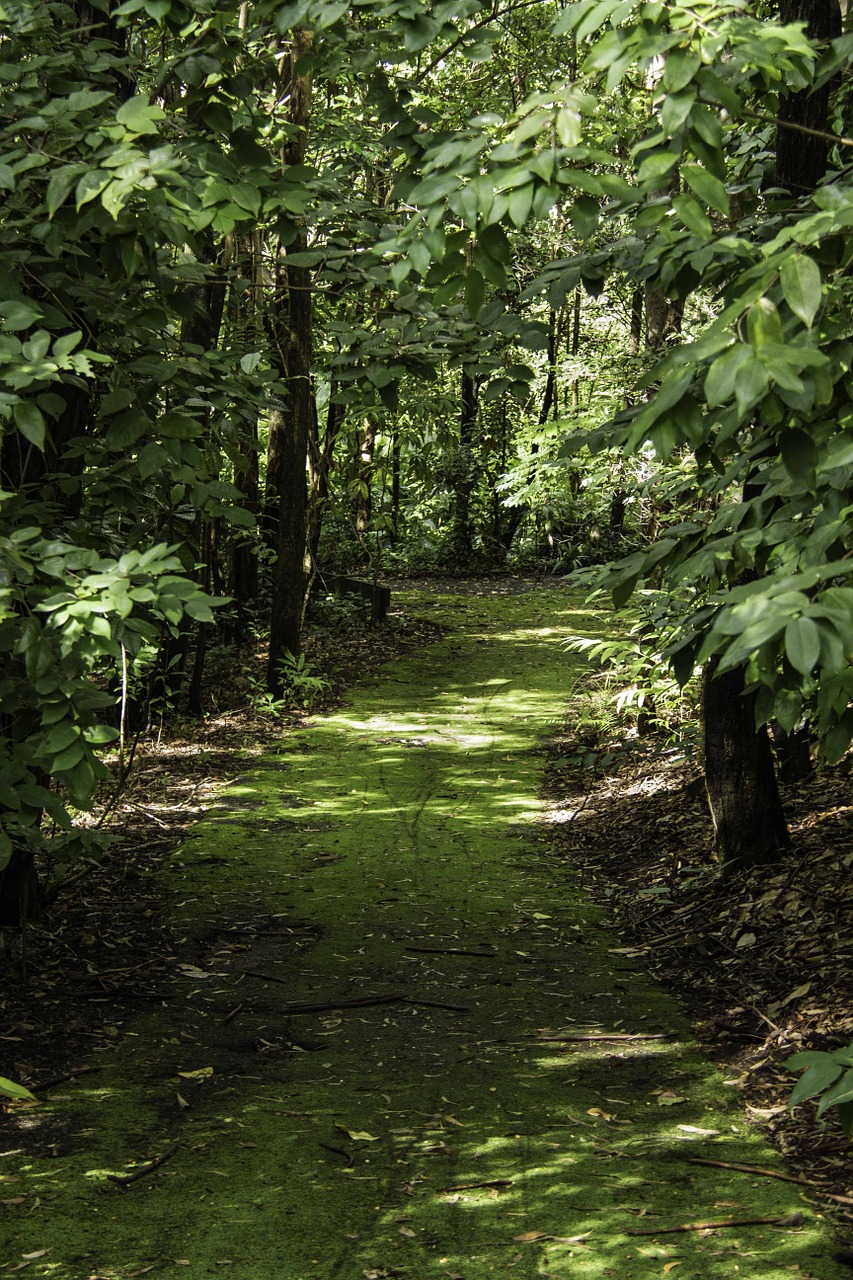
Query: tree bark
[(290, 428), (749, 822)]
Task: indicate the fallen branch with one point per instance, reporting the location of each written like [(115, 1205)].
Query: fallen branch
[(126, 1180), (474, 1186), (750, 1168), (68, 1075), (232, 1013), (329, 1006), (437, 1004), (773, 1173), (614, 1036), (452, 951), (790, 1220)]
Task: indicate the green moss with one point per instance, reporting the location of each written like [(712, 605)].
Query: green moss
[(377, 845)]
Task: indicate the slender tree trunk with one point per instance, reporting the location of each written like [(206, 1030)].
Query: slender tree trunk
[(294, 342), (395, 485), (740, 777), (461, 540), (749, 824), (321, 462)]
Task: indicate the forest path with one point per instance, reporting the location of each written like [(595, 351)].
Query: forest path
[(389, 864)]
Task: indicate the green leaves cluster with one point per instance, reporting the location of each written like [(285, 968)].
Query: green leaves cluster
[(829, 1075)]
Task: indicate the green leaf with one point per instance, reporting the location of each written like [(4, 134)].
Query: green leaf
[(475, 292), (693, 216), (706, 187), (12, 1090), (16, 316), (139, 116), (584, 215), (801, 285), (90, 186), (817, 1077), (680, 69), (720, 379), (799, 455), (30, 422), (763, 324), (802, 644)]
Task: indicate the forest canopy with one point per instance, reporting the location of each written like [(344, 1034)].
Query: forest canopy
[(290, 290)]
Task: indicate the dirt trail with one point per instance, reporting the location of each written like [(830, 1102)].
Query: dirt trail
[(451, 1109)]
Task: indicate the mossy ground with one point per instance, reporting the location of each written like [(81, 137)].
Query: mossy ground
[(439, 1134)]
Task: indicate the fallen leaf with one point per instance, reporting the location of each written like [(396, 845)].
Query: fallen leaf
[(668, 1099), (669, 1267), (182, 1102), (745, 940), (357, 1135), (700, 1133), (596, 1111), (528, 1236), (203, 1073), (192, 971), (39, 1253)]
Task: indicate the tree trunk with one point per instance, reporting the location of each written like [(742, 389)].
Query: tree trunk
[(801, 158), (461, 540), (293, 340), (749, 823)]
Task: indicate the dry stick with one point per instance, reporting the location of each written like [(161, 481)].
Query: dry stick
[(771, 1173), (473, 1186), (584, 1039), (329, 1006), (68, 1075), (146, 1169), (452, 951), (750, 1168), (339, 1151), (790, 1220), (232, 1013)]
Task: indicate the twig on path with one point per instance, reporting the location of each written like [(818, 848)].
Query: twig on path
[(790, 1220), (68, 1075), (232, 1013), (772, 1173), (328, 1006), (474, 1186), (453, 951), (614, 1036), (437, 1004), (125, 1181), (339, 1151), (751, 1168)]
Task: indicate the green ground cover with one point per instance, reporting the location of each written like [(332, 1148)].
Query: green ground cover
[(388, 863)]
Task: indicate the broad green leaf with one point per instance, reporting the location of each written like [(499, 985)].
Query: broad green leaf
[(693, 216), (30, 422), (799, 455), (475, 292), (817, 1077), (837, 1094), (802, 644), (12, 1090), (720, 379), (751, 383), (15, 315), (763, 324), (801, 285), (90, 186), (584, 215), (706, 187), (139, 116), (680, 69)]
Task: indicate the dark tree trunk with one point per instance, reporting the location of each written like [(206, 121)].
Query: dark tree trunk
[(320, 464), (395, 485), (293, 340), (801, 157), (461, 540), (749, 823)]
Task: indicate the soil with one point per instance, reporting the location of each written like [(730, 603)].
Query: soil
[(115, 945)]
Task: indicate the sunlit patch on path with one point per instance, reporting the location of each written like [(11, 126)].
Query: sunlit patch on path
[(405, 1046)]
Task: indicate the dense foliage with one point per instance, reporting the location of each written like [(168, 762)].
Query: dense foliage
[(291, 288)]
